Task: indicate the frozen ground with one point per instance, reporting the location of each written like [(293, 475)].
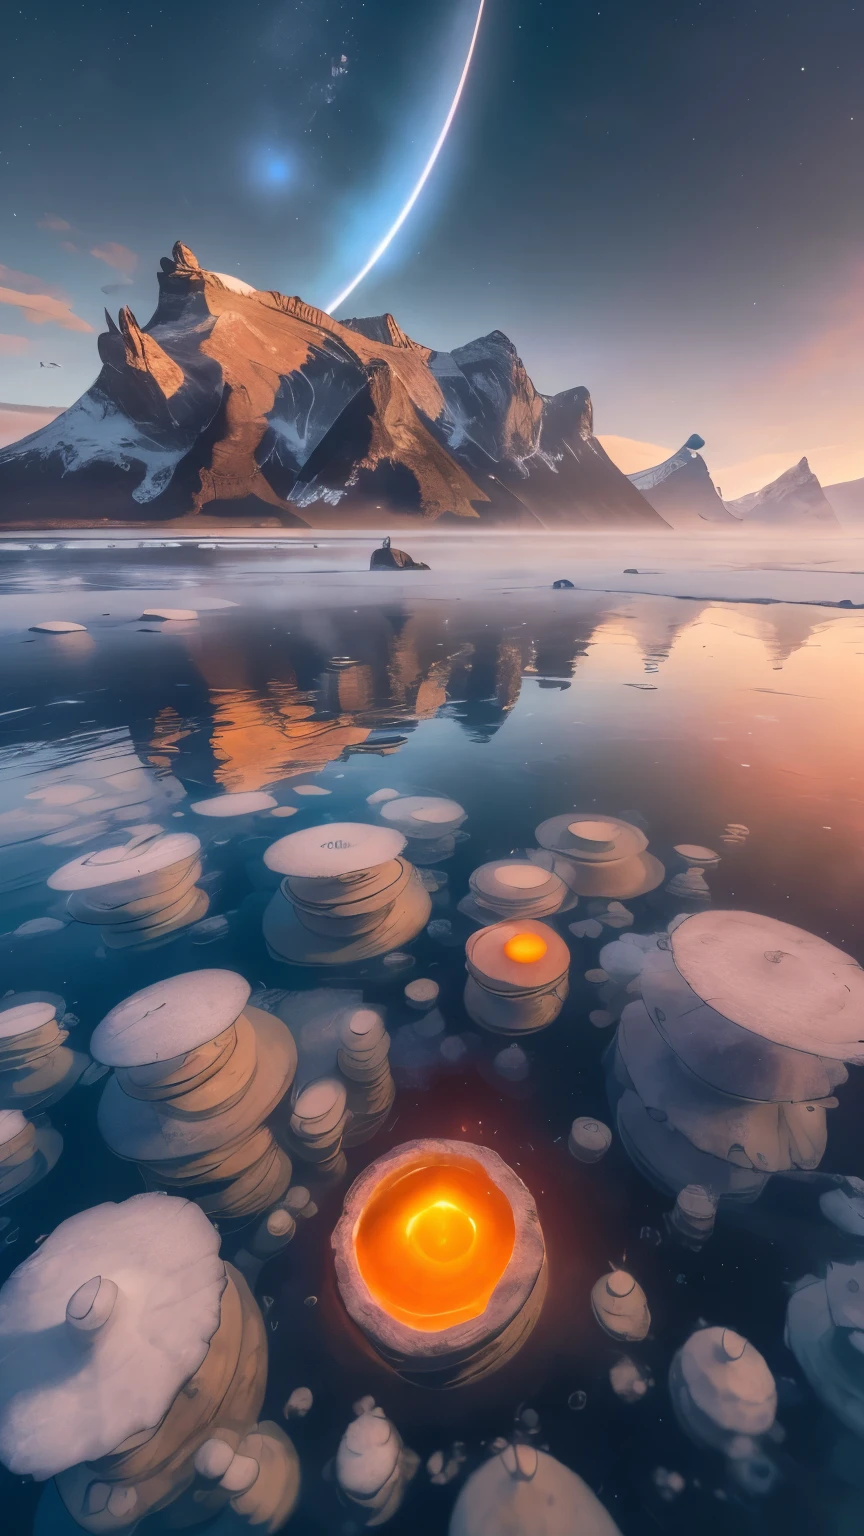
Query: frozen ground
[(76, 570)]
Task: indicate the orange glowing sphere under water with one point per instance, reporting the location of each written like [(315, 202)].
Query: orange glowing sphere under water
[(526, 948), (433, 1241)]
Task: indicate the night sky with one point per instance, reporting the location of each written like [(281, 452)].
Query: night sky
[(664, 202)]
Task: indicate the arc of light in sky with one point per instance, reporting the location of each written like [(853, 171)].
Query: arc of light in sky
[(424, 175)]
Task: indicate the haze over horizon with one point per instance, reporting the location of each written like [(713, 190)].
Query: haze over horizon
[(663, 207)]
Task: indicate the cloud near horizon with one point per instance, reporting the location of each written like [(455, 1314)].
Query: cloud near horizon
[(13, 346), (117, 256), (38, 302)]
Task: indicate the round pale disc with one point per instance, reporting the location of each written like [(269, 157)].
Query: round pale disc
[(694, 854), (591, 838), (57, 627), (489, 878), (378, 796), (486, 959), (776, 980), (170, 613), (423, 815), (734, 1060), (234, 805), (319, 1102), (521, 877), (337, 848), (21, 1018), (128, 862), (169, 1018)]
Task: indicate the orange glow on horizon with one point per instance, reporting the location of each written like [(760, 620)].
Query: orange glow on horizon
[(433, 1242), (525, 948)]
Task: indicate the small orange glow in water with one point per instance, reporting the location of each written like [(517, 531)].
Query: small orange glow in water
[(526, 948), (433, 1242)]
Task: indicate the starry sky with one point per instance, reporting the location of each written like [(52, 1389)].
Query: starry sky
[(662, 201)]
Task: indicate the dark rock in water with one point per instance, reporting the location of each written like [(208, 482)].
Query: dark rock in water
[(388, 559), (557, 586)]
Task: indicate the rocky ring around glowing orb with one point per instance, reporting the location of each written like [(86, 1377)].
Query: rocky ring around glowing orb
[(440, 1260)]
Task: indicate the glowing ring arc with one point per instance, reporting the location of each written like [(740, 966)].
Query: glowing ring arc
[(424, 175)]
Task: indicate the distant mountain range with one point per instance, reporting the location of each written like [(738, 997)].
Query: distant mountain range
[(682, 491), (248, 404), (243, 404)]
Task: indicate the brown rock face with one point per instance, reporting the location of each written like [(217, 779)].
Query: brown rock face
[(239, 401)]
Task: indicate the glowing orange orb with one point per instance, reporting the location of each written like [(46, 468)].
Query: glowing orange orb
[(433, 1241), (526, 948)]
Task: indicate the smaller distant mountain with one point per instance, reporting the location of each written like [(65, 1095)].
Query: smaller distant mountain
[(847, 499), (681, 489), (794, 500)]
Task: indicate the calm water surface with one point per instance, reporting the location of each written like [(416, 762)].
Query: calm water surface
[(685, 716)]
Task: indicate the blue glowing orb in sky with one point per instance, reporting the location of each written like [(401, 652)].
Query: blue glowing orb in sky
[(271, 169)]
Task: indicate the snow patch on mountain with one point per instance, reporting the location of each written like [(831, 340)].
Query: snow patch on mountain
[(94, 431)]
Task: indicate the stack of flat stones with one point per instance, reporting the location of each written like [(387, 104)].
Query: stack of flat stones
[(346, 897), (689, 884), (36, 1066), (142, 893), (598, 856), (429, 822), (198, 1075), (364, 1061), (318, 1121), (722, 1073), (514, 889), (27, 1152), (511, 997)]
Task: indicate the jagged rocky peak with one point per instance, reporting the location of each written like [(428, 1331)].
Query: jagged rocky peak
[(384, 328), (127, 346), (795, 498), (234, 399), (569, 414), (181, 262)]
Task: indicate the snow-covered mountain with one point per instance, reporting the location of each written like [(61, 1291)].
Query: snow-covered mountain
[(245, 403), (794, 500), (681, 489)]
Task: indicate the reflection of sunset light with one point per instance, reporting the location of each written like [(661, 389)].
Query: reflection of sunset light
[(525, 948), (433, 1242)]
